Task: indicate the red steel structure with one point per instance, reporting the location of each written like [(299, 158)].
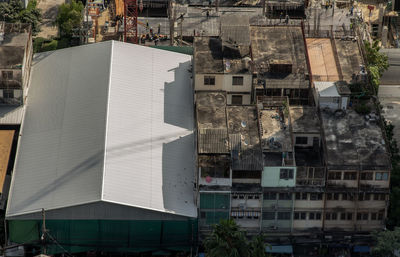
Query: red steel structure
[(130, 21)]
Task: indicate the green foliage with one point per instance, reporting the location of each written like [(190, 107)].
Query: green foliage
[(42, 44), (377, 62), (52, 45), (37, 44), (14, 12), (363, 109), (227, 240), (387, 242), (69, 17)]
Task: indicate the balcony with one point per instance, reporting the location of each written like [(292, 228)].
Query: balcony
[(10, 84)]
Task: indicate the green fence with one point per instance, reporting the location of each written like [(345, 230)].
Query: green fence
[(107, 235), (213, 208)]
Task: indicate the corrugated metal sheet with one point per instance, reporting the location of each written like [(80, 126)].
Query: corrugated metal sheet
[(250, 159), (150, 159), (213, 140), (11, 115), (107, 121)]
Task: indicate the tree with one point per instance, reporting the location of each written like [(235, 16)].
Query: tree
[(377, 62), (69, 17), (14, 12), (387, 242), (228, 240)]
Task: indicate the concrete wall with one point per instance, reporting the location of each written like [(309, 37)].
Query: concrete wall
[(246, 87), (199, 82), (306, 224), (216, 181), (223, 82), (302, 205), (270, 177), (246, 98), (310, 139)]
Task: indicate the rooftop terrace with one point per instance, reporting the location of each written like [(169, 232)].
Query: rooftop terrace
[(244, 138), (274, 124), (349, 58), (352, 142), (282, 45), (304, 119), (211, 122), (13, 40)]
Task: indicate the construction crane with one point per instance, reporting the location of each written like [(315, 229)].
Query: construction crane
[(131, 21)]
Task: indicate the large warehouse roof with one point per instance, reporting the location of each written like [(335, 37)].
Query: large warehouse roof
[(108, 122)]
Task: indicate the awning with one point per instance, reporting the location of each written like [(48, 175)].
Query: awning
[(279, 249), (361, 249)]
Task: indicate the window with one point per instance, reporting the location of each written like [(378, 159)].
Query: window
[(8, 93), (234, 196), (382, 197), (349, 216), (283, 215), (335, 175), (318, 216), (301, 140), (374, 216), (286, 174), (380, 216), (315, 196), (334, 216), (301, 196), (241, 196), (215, 171), (362, 216), (336, 196), (311, 216), (268, 215), (7, 75), (343, 216), (250, 197), (269, 196), (237, 81), (329, 196), (303, 215), (344, 196), (381, 176), (237, 99), (364, 197), (285, 196), (299, 215), (328, 216), (202, 214), (350, 176), (209, 80), (366, 176), (256, 197)]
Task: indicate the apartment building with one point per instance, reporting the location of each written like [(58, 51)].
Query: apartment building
[(279, 172), (247, 165), (214, 170), (280, 64), (358, 171), (223, 63), (15, 62), (296, 162)]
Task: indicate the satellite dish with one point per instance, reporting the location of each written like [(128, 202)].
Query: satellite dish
[(244, 124), (208, 179)]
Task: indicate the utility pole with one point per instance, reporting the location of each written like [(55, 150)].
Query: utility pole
[(43, 238), (180, 43), (172, 18)]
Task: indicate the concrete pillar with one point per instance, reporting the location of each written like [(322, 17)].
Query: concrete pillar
[(384, 36), (380, 19)]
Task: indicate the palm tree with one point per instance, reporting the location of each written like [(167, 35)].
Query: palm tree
[(227, 240)]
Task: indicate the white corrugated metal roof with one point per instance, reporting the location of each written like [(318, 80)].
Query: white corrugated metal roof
[(107, 122), (326, 89)]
